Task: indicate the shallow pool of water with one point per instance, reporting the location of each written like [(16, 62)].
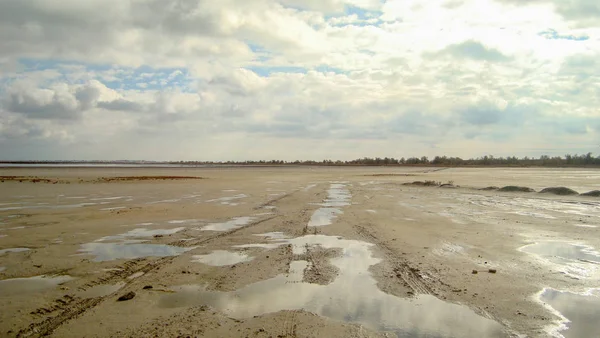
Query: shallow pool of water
[(235, 223), (112, 251), (576, 261), (337, 196), (564, 250), (581, 311), (323, 216), (221, 258), (141, 233), (228, 200), (352, 297), (16, 286), (3, 251)]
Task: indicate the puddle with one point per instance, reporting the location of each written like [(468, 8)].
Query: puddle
[(526, 205), (58, 206), (136, 275), (564, 250), (165, 201), (2, 252), (371, 211), (100, 290), (323, 216), (337, 196), (273, 235), (352, 297), (268, 246), (534, 214), (235, 223), (105, 198), (228, 200), (448, 249), (139, 233), (582, 312), (111, 209), (183, 221), (16, 286), (221, 258), (578, 261), (112, 251)]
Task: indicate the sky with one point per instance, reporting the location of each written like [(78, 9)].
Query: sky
[(297, 79)]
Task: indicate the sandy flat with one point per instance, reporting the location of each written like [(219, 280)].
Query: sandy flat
[(295, 252)]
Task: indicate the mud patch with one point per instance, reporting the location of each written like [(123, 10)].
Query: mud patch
[(561, 191), (514, 188), (100, 290), (593, 193)]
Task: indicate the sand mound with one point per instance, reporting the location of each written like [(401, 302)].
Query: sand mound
[(490, 188), (593, 193), (559, 191), (424, 184), (514, 188)]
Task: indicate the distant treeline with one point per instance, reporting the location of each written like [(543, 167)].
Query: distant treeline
[(543, 161)]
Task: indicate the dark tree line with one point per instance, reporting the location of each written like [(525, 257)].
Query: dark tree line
[(488, 160)]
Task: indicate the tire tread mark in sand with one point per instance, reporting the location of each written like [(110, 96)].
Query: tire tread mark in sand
[(289, 324), (76, 308), (401, 267), (276, 199), (80, 306)]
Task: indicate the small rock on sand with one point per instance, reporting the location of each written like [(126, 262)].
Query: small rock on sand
[(147, 287), (475, 272), (129, 295), (492, 271)]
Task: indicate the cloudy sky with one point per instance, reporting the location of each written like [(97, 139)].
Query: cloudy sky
[(297, 79)]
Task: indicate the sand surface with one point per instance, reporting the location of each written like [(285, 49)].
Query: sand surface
[(297, 252)]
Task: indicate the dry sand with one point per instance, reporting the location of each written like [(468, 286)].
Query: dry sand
[(297, 252)]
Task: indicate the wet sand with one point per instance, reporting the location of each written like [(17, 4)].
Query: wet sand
[(297, 252)]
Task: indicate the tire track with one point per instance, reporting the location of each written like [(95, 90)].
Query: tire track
[(76, 306), (401, 267)]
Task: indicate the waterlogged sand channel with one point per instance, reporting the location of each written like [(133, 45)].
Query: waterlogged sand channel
[(297, 252)]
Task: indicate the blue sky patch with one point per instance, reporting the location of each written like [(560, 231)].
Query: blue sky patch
[(127, 78), (267, 71), (554, 35)]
